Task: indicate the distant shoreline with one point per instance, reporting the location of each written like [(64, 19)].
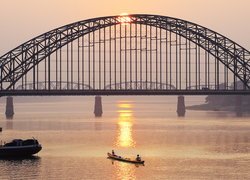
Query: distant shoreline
[(220, 108)]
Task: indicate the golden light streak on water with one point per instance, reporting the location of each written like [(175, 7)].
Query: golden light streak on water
[(125, 126), (125, 171), (125, 113), (125, 105)]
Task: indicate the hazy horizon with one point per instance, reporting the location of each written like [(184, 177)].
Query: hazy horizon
[(23, 20)]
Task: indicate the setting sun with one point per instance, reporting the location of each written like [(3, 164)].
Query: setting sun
[(124, 18)]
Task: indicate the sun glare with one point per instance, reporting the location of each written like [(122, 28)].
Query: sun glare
[(124, 18), (125, 126)]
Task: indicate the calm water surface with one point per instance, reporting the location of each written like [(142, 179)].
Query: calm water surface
[(203, 145)]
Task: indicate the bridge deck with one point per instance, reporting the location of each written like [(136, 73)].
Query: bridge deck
[(119, 92)]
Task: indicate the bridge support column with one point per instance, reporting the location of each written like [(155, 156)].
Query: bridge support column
[(98, 106), (181, 109), (238, 106), (9, 112)]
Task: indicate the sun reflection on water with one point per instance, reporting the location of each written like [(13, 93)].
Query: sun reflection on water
[(125, 171), (125, 125)]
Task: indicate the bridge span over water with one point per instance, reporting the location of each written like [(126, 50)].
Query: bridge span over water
[(137, 54)]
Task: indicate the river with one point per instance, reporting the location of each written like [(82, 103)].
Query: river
[(202, 145)]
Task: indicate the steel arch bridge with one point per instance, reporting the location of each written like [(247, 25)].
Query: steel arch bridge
[(135, 54)]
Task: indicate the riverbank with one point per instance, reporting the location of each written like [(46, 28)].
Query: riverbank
[(211, 107), (219, 108)]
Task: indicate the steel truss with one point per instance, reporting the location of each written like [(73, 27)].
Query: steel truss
[(132, 53)]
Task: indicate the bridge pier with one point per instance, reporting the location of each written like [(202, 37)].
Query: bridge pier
[(238, 106), (9, 112), (98, 106), (181, 109)]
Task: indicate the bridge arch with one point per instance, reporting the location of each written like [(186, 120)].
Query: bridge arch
[(15, 64)]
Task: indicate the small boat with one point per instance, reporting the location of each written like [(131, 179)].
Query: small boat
[(119, 158), (20, 148)]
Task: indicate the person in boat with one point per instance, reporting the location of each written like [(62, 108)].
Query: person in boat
[(113, 153), (138, 158)]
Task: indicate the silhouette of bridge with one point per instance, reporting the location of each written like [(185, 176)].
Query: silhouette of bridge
[(127, 55)]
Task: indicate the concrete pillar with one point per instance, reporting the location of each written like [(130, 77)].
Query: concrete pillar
[(9, 108), (9, 124), (181, 109), (98, 106), (238, 106)]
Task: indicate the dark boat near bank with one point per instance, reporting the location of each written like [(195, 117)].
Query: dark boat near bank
[(20, 148), (119, 158)]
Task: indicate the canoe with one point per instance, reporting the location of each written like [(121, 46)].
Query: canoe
[(119, 158)]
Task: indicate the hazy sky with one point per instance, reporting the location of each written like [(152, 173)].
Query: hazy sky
[(22, 20)]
